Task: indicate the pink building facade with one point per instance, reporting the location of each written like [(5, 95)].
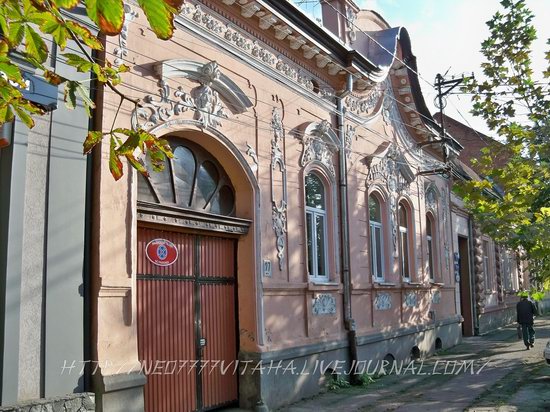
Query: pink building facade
[(300, 222)]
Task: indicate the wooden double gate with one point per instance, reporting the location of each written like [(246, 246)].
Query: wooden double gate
[(186, 313)]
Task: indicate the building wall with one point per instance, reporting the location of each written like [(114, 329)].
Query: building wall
[(44, 182)]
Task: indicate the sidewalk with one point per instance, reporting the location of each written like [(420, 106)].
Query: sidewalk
[(496, 374)]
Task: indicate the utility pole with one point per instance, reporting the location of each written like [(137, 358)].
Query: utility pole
[(444, 87)]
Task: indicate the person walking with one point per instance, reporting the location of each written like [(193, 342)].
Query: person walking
[(526, 311)]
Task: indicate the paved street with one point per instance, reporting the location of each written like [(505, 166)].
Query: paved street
[(491, 373)]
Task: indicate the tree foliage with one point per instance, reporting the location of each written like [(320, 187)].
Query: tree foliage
[(514, 102), (25, 27)]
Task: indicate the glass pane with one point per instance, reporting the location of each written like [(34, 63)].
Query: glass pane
[(404, 255), (309, 239), (320, 236), (184, 175), (378, 240), (375, 214), (311, 8), (403, 221), (373, 250), (162, 182), (144, 190), (428, 226), (315, 192), (207, 181), (223, 202)]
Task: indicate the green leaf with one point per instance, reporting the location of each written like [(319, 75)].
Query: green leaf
[(160, 15), (70, 94), (115, 165), (93, 138), (12, 72), (66, 4), (81, 64), (107, 14), (54, 78), (58, 30), (85, 35), (35, 46), (16, 34), (84, 94)]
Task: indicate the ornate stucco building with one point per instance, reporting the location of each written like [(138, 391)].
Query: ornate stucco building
[(305, 224), (306, 221)]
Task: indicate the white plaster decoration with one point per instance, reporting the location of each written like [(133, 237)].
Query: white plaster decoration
[(436, 297), (323, 304), (364, 106), (278, 205), (322, 60), (411, 299), (334, 68), (310, 52), (252, 154), (382, 301), (445, 211), (230, 34), (394, 172), (319, 144), (267, 21), (204, 100), (431, 200), (351, 17), (121, 51), (249, 10), (349, 135), (282, 31)]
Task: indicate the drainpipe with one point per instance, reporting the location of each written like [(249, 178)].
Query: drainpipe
[(349, 322)]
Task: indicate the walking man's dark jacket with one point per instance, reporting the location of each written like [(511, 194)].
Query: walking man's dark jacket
[(526, 311)]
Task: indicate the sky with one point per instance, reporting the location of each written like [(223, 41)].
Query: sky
[(446, 35)]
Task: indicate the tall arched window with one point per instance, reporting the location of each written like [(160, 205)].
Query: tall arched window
[(376, 238), (404, 247), (316, 226), (430, 235)]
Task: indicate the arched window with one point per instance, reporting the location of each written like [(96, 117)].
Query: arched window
[(404, 247), (193, 179), (430, 235), (376, 238), (316, 228)]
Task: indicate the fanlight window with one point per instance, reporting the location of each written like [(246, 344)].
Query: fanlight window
[(193, 179)]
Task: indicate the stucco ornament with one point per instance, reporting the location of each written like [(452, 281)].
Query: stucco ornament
[(319, 144), (349, 136), (209, 109), (121, 51), (411, 299), (431, 199), (252, 154), (394, 172), (382, 301), (323, 304), (278, 203)]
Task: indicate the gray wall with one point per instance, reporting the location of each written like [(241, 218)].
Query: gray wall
[(43, 186)]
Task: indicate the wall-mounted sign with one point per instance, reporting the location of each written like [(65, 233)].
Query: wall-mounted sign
[(161, 252)]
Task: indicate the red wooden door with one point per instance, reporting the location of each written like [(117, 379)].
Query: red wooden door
[(187, 339)]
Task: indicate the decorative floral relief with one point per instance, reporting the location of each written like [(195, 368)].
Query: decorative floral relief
[(279, 206), (224, 30), (323, 304), (349, 135), (431, 199), (382, 301), (316, 148), (411, 299), (204, 100), (121, 51), (351, 16), (365, 105), (252, 154)]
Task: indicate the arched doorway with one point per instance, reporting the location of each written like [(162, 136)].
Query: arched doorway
[(186, 282)]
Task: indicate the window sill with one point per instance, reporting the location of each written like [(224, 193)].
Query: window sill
[(413, 284), (323, 286), (384, 284), (437, 283)]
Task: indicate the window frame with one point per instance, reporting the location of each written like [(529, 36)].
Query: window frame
[(405, 233), (373, 246), (431, 243), (486, 246), (324, 216)]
